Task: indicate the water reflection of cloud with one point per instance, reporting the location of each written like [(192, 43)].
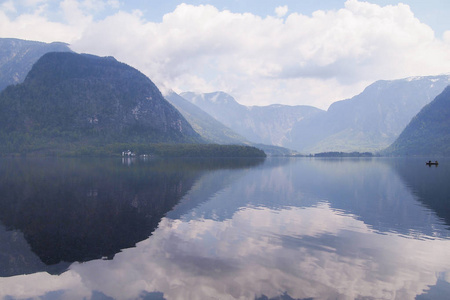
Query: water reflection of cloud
[(305, 252)]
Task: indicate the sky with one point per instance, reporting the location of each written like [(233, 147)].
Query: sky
[(293, 52)]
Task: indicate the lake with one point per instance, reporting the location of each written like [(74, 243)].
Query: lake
[(279, 228)]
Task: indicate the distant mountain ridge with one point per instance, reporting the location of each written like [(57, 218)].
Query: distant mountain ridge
[(428, 133), (72, 97), (259, 124), (214, 131), (207, 126), (18, 56), (370, 121)]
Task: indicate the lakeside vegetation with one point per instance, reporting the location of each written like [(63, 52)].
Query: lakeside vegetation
[(25, 147), (190, 150), (344, 154)]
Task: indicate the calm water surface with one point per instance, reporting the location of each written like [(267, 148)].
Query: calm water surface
[(224, 229)]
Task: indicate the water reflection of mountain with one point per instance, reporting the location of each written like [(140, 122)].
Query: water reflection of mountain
[(215, 182), (81, 209), (369, 189), (430, 184), (373, 191), (293, 236)]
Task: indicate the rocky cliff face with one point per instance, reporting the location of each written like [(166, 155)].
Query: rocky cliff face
[(74, 96)]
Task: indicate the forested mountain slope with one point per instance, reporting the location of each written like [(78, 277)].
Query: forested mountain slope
[(69, 97), (428, 133)]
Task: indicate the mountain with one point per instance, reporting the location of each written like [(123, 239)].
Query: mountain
[(80, 98), (18, 56), (204, 124), (370, 121), (215, 132), (428, 133), (259, 124)]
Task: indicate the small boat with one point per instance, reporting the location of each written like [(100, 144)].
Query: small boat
[(430, 163)]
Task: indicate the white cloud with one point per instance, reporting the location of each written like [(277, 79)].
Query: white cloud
[(314, 59), (74, 14), (301, 59), (446, 36), (36, 27), (281, 11)]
